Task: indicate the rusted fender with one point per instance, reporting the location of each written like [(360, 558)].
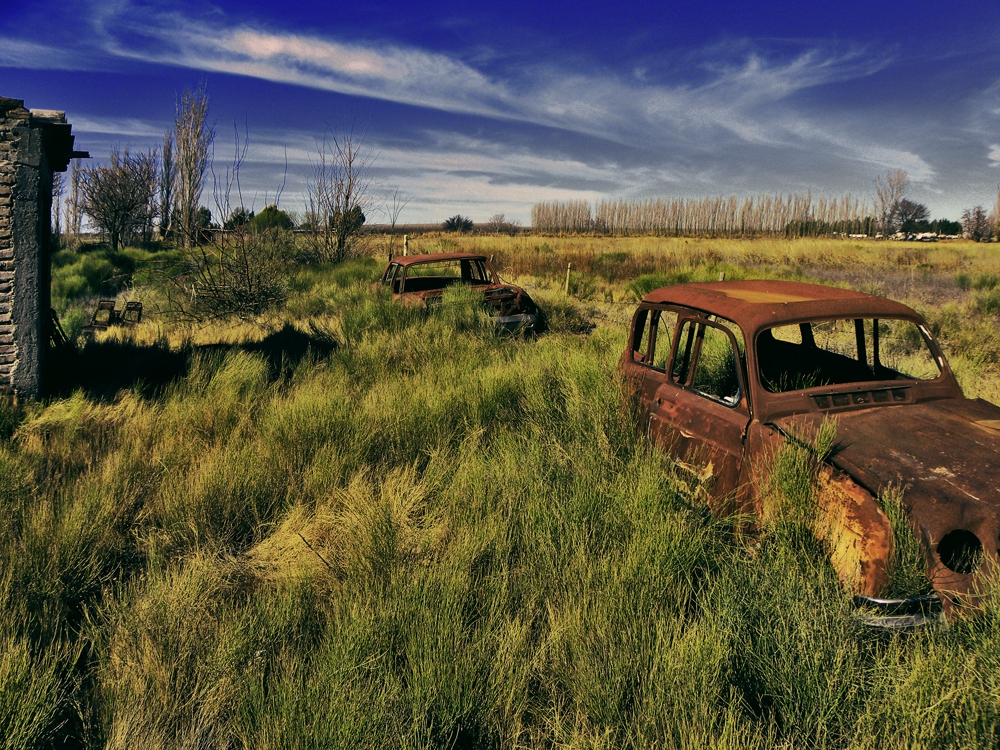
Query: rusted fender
[(855, 530), (944, 454), (847, 518)]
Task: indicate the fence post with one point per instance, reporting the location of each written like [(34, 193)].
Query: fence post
[(406, 245), (568, 266)]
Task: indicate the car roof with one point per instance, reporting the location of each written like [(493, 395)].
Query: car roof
[(760, 304), (409, 260)]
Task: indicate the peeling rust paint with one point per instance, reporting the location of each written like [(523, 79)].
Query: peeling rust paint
[(856, 532), (921, 435)]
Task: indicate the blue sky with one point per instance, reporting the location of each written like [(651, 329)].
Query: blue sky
[(490, 108)]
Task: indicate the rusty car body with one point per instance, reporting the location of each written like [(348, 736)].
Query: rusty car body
[(422, 279), (727, 372)]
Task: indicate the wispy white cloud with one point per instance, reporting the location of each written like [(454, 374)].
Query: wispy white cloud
[(994, 155), (748, 102), (393, 73), (28, 55), (119, 126)]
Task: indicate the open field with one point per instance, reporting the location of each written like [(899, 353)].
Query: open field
[(351, 524)]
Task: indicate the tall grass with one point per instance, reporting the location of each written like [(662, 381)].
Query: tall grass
[(423, 534)]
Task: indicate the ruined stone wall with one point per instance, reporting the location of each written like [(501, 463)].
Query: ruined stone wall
[(9, 146), (32, 146)]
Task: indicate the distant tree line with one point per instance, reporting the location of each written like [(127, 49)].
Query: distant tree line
[(782, 215), (797, 215)]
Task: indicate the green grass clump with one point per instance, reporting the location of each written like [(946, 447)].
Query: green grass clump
[(907, 573), (987, 302)]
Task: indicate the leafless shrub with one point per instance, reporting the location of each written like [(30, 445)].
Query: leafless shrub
[(241, 271), (500, 224), (341, 197), (392, 206), (996, 214), (74, 203), (121, 197)]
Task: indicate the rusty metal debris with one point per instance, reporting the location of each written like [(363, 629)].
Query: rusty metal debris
[(57, 336), (107, 316), (422, 279), (728, 372)]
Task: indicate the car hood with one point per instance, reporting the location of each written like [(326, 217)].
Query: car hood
[(949, 448), (943, 454)]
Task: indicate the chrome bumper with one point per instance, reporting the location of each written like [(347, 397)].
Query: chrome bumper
[(522, 322), (899, 614)]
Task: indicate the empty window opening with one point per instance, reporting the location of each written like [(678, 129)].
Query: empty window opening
[(836, 352), (707, 363), (652, 342)]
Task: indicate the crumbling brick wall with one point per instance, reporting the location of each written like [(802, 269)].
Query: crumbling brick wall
[(33, 145)]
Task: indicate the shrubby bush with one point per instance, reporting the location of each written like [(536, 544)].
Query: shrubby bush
[(457, 223)]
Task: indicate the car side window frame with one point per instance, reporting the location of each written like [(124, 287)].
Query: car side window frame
[(390, 277), (692, 355), (651, 333)]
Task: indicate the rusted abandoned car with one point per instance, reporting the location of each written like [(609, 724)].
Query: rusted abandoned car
[(727, 372), (422, 279)]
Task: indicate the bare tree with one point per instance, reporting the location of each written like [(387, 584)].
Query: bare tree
[(168, 175), (119, 197), (193, 141), (890, 190), (57, 194), (975, 224), (341, 195), (74, 217), (500, 224), (393, 206), (996, 214)]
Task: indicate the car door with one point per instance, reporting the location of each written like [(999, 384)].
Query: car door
[(645, 361), (700, 409)]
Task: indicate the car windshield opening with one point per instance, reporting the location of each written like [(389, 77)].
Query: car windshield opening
[(837, 352), (468, 270)]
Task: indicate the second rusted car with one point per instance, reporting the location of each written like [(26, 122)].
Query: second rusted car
[(422, 279), (727, 372)]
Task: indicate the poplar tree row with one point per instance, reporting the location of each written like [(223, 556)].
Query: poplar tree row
[(798, 215)]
